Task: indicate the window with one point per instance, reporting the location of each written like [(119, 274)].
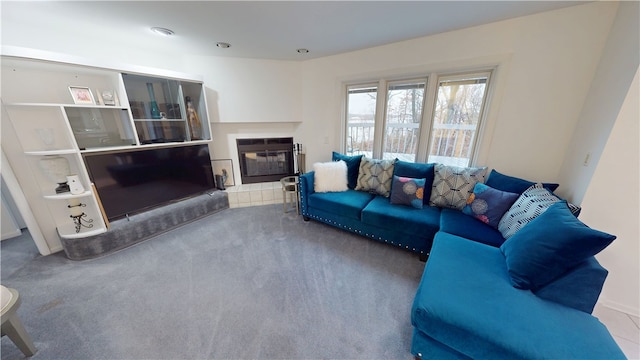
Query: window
[(456, 120), (404, 105), (361, 115), (424, 120)]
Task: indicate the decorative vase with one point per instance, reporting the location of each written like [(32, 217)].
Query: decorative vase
[(195, 126), (75, 186), (155, 111), (57, 169)]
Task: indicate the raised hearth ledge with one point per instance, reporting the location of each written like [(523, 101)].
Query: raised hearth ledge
[(126, 232)]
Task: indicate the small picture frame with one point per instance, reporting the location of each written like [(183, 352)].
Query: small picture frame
[(81, 95), (224, 168)]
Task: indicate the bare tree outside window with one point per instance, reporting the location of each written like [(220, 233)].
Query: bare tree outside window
[(361, 115), (405, 101), (436, 121), (456, 120)]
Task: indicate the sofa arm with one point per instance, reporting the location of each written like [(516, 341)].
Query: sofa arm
[(578, 288), (306, 189)]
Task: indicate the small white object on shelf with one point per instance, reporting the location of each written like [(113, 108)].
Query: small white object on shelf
[(75, 186)]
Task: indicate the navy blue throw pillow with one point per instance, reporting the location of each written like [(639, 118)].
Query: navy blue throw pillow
[(353, 166)]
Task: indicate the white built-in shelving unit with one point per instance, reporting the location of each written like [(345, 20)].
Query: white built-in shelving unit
[(40, 119)]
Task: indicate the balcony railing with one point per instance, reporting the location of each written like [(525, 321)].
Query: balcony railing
[(451, 144)]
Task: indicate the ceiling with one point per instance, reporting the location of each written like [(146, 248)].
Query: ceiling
[(255, 29)]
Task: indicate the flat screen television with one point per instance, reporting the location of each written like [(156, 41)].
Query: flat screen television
[(129, 182)]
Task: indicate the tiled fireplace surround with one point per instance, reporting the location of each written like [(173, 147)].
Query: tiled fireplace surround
[(265, 193), (255, 194)]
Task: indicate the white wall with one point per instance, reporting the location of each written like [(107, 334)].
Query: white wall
[(611, 205), (249, 98), (619, 62), (546, 65)]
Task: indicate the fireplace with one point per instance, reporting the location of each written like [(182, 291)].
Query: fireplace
[(265, 160)]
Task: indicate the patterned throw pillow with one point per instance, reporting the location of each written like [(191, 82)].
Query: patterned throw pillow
[(407, 191), (375, 176), (533, 202), (488, 204), (453, 185), (416, 171)]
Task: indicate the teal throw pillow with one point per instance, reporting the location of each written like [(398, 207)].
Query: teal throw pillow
[(488, 204), (375, 176), (407, 191), (353, 166), (549, 246), (513, 184)]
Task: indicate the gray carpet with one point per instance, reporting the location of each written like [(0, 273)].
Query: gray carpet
[(245, 283)]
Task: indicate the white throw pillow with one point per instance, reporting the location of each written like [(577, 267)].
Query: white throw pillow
[(330, 176)]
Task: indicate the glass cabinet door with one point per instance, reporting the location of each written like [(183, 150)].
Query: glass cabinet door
[(157, 108), (166, 110), (196, 111), (100, 127)]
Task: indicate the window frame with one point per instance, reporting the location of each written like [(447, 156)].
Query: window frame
[(345, 128), (408, 81), (482, 116), (432, 82)]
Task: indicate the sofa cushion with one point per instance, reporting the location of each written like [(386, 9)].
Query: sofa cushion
[(466, 301), (330, 176), (353, 166), (578, 288), (513, 184), (532, 203), (403, 219), (452, 185), (456, 223), (550, 245), (417, 171), (407, 191), (488, 204), (375, 176), (347, 203)]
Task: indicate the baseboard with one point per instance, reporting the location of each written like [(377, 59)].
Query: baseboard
[(56, 249), (621, 307)]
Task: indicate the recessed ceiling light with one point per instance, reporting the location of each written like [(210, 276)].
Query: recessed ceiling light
[(223, 45), (302, 51), (162, 31)]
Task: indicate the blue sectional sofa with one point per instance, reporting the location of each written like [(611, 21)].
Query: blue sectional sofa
[(481, 296), (372, 215)]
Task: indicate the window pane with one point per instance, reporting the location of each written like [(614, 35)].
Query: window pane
[(456, 120), (361, 114), (404, 113)]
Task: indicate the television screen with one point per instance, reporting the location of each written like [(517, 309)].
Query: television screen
[(129, 182)]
